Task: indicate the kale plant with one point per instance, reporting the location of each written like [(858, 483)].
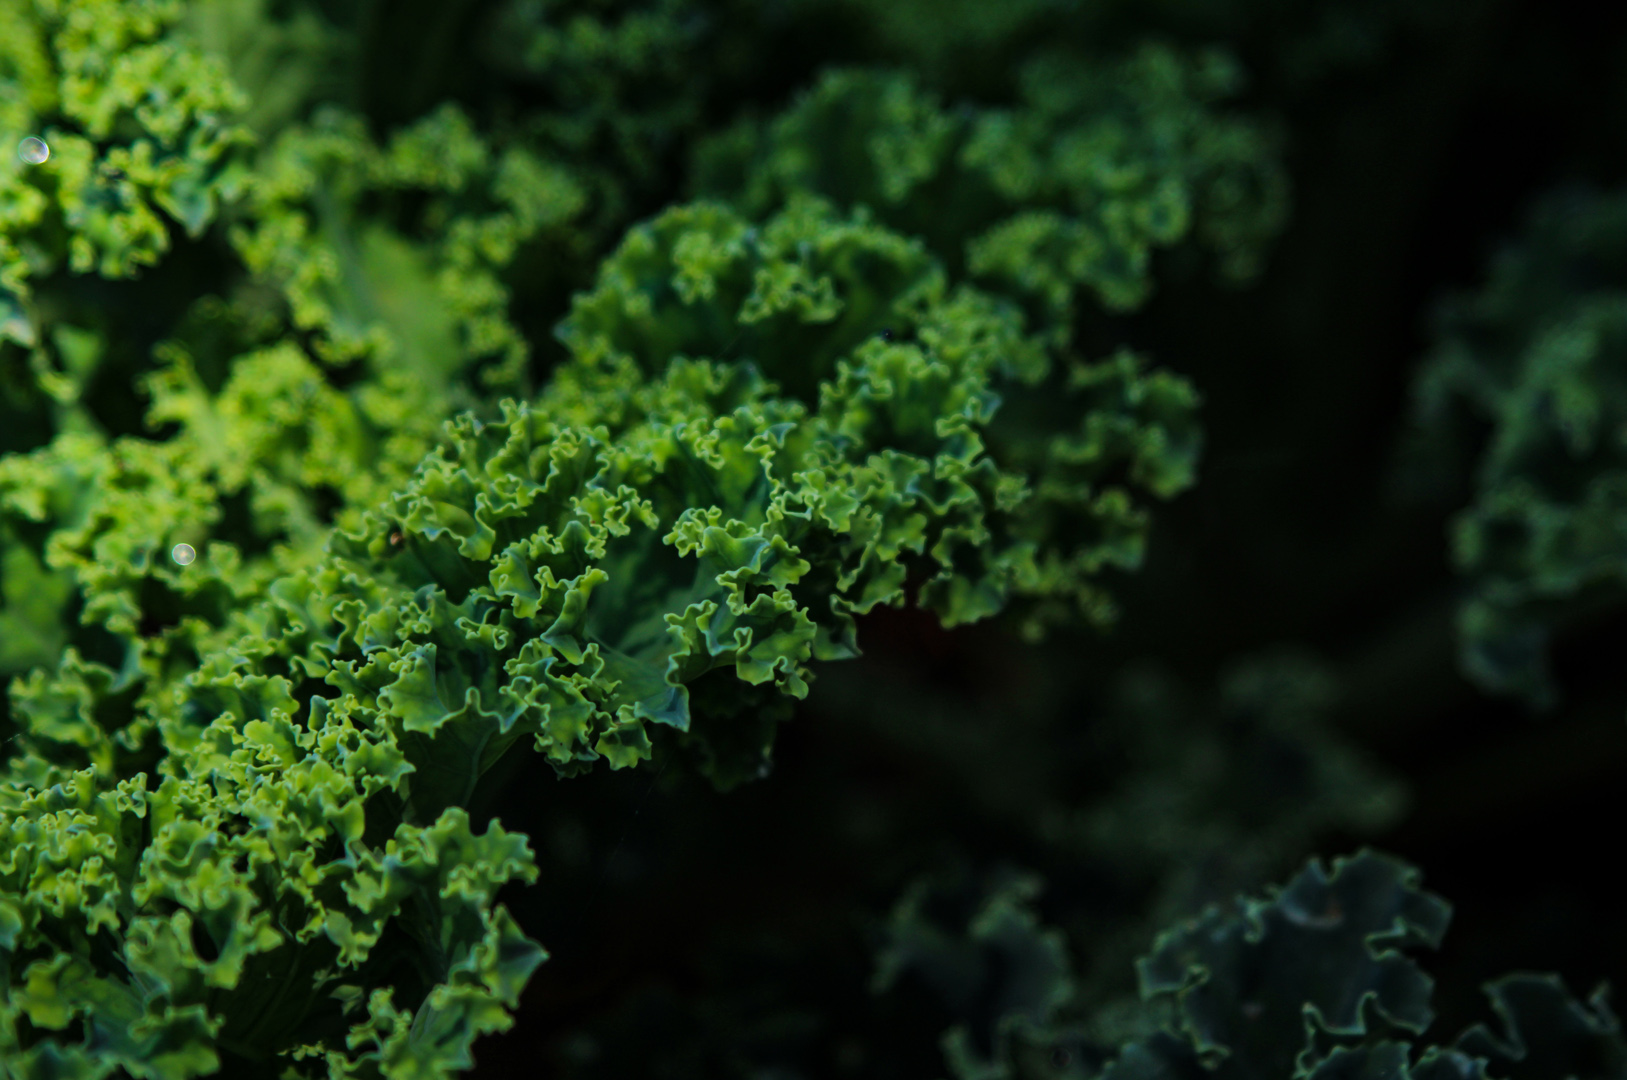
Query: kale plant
[(432, 433)]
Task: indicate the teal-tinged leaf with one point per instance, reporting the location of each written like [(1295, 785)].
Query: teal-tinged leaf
[(1339, 938), (1546, 1032)]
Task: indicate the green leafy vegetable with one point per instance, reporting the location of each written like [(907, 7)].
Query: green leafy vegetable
[(1536, 358)]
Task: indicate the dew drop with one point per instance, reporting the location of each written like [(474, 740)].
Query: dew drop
[(183, 554), (33, 150)]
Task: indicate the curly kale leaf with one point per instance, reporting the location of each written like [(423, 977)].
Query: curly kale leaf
[(1098, 166), (241, 906), (982, 950), (625, 84), (136, 121), (425, 308), (260, 453), (861, 326), (1263, 990), (1537, 358), (1311, 981), (1253, 988)]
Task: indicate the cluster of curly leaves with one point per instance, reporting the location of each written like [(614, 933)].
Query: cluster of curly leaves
[(326, 278), (1311, 981), (1098, 166), (1538, 361), (98, 67), (138, 932), (245, 833), (568, 574)]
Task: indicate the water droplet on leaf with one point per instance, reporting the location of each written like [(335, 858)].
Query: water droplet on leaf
[(33, 150), (183, 554)]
